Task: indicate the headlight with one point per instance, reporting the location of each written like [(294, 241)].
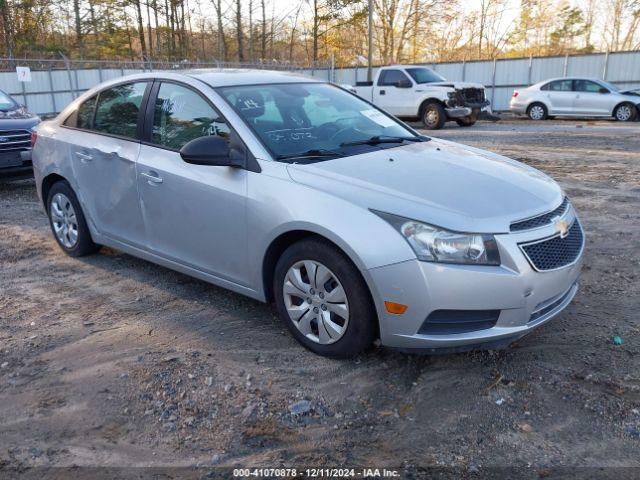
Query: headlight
[(434, 244)]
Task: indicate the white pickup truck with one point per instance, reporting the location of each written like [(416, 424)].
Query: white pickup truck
[(414, 91)]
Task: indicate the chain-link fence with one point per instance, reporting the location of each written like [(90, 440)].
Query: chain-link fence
[(54, 83)]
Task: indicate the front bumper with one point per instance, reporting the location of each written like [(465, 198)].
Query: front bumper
[(15, 163), (523, 297)]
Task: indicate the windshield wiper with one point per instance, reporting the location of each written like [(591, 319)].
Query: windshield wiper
[(314, 152), (378, 139)]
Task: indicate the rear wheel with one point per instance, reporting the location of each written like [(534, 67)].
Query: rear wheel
[(537, 111), (323, 300), (625, 112), (67, 221), (433, 116)]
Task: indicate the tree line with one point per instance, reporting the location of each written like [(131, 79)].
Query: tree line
[(314, 31)]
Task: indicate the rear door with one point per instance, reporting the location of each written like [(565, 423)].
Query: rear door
[(195, 215), (591, 98), (104, 156), (560, 96), (394, 93)]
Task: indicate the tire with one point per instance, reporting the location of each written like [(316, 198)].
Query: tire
[(433, 116), (64, 210), (466, 121), (317, 327), (537, 111), (625, 112)]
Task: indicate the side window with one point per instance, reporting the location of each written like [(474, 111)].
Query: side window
[(587, 86), (560, 86), (83, 116), (392, 77), (182, 115), (117, 109)]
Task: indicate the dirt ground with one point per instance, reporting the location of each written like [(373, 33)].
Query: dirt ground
[(112, 361)]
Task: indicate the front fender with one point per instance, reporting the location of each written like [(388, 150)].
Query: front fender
[(280, 205)]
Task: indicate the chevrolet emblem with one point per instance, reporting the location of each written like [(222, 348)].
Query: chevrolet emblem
[(562, 226)]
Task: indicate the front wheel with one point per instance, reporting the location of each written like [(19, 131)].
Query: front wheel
[(433, 116), (624, 113), (323, 300)]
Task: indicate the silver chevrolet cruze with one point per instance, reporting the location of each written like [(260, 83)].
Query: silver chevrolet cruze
[(295, 191)]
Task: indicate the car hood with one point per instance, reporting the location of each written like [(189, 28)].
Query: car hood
[(456, 85), (453, 186)]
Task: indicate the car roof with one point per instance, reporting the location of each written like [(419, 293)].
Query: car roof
[(227, 77), (593, 79), (222, 77)]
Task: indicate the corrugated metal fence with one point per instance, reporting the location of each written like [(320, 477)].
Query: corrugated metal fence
[(55, 83), (502, 77)]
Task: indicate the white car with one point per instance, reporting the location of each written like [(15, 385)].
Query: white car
[(575, 97), (410, 91)]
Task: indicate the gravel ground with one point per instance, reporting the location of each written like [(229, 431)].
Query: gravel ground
[(112, 361)]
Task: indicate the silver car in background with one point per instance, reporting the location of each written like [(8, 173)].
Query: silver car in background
[(296, 191), (575, 97)]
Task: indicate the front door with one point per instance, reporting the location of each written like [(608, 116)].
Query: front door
[(195, 215), (104, 161), (393, 93), (591, 98)]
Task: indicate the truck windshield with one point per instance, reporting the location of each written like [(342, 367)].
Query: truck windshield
[(424, 75), (6, 102), (318, 121)]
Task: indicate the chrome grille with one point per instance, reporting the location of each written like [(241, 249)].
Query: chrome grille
[(473, 95), (540, 220), (555, 252), (15, 140)]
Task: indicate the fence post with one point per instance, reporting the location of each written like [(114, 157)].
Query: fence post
[(566, 65), (464, 69), (493, 83), (606, 65), (24, 95), (530, 69), (74, 92), (53, 95)]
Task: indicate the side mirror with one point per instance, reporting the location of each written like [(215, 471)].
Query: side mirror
[(603, 90), (404, 84), (210, 150)]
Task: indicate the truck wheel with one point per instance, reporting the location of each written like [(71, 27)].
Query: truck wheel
[(466, 121), (433, 116)]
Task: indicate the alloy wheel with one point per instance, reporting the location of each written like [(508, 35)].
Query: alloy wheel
[(316, 302), (536, 112), (64, 220), (432, 117), (623, 113)]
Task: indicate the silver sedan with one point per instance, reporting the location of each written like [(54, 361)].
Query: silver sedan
[(575, 97), (298, 192)]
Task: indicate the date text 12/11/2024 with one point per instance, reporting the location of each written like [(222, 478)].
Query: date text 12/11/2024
[(316, 472)]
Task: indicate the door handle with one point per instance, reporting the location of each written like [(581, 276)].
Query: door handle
[(382, 92), (84, 157), (152, 178)]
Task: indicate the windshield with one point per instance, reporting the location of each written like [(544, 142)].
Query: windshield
[(6, 102), (613, 88), (314, 120), (425, 75)]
